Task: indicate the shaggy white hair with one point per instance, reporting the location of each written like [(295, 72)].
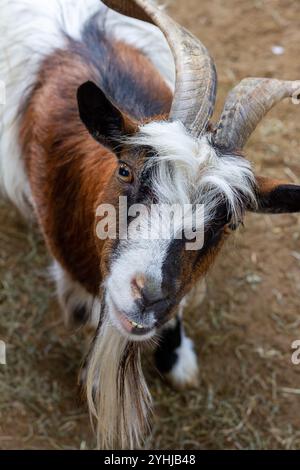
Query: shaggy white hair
[(118, 396), (192, 171)]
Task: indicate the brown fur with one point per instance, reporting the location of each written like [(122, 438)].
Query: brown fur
[(69, 172)]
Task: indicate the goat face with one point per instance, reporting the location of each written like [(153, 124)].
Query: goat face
[(145, 278), (159, 168)]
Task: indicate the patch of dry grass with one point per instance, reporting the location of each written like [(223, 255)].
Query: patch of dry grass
[(39, 406)]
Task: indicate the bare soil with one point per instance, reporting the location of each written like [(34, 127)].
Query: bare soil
[(249, 396)]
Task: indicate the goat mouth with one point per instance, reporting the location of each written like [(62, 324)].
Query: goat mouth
[(131, 326), (128, 326)]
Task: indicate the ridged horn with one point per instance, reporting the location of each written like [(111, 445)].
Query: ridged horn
[(245, 107), (196, 77)]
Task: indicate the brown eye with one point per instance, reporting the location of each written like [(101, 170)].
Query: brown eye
[(231, 227), (125, 173), (227, 229)]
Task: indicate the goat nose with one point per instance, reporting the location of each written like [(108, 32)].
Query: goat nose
[(145, 290), (149, 297)]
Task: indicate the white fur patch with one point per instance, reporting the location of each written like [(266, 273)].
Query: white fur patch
[(29, 31), (189, 170), (185, 371)]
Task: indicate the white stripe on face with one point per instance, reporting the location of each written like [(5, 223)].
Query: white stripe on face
[(144, 256)]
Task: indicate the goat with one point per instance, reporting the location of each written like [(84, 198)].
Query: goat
[(96, 111)]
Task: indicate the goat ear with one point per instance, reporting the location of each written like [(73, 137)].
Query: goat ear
[(102, 119), (276, 196)]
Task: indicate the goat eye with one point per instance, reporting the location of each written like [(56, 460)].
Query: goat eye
[(125, 173), (232, 227)]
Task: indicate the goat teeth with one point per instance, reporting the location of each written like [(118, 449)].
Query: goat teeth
[(136, 325)]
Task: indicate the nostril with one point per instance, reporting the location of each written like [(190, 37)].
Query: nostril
[(137, 286), (151, 299), (158, 307), (146, 292)]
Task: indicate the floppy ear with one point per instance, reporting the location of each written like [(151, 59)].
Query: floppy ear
[(276, 196), (103, 120)]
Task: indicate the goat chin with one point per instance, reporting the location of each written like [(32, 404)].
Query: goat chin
[(118, 397)]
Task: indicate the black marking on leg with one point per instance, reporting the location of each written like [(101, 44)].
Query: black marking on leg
[(165, 354)]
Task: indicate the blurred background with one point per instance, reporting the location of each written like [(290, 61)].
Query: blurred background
[(249, 395)]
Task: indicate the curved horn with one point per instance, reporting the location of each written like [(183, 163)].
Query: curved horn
[(245, 107), (196, 78)]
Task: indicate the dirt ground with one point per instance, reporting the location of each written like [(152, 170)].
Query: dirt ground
[(249, 396)]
